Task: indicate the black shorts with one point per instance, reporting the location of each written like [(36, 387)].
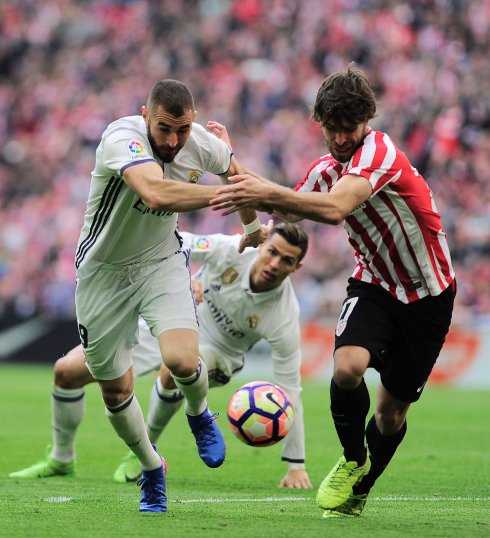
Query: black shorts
[(404, 339)]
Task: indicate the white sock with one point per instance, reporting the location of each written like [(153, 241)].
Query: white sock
[(164, 403), (195, 389), (67, 411), (127, 419)]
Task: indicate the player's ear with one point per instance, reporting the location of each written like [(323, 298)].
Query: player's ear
[(144, 112), (299, 265)]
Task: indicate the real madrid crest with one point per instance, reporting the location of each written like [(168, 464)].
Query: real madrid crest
[(253, 321), (229, 275), (193, 176)]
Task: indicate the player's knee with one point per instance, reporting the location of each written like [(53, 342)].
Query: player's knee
[(346, 378), (347, 375), (62, 375), (112, 400), (349, 366), (184, 365), (115, 396)]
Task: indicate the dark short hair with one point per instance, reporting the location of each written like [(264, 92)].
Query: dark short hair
[(174, 96), (293, 234), (345, 97)]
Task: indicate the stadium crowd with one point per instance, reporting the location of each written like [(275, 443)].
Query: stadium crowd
[(68, 68)]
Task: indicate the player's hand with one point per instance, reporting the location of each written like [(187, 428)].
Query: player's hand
[(296, 479), (197, 289), (219, 131), (257, 238), (244, 190)]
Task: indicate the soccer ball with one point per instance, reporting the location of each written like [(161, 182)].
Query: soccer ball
[(260, 413)]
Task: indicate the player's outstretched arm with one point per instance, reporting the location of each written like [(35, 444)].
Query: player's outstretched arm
[(247, 190), (159, 194), (296, 479)]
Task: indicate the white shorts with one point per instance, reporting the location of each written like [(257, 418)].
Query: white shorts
[(221, 368), (110, 301)]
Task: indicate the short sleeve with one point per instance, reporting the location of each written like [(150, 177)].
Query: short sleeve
[(124, 148)]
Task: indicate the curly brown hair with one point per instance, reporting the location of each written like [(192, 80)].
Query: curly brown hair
[(345, 97)]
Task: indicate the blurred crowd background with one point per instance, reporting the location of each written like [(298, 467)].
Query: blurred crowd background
[(68, 68)]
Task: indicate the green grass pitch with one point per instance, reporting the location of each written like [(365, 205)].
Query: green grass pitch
[(438, 484)]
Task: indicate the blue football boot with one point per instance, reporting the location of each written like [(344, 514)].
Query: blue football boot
[(153, 490), (209, 440)]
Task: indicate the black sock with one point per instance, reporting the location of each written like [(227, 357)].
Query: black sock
[(349, 411), (381, 449)]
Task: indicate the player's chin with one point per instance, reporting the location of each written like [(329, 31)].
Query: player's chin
[(342, 156), (268, 279), (167, 156)]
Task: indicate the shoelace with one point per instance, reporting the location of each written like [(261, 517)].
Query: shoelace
[(146, 483), (205, 433), (338, 478)]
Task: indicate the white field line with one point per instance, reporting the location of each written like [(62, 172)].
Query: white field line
[(380, 499), (214, 500)]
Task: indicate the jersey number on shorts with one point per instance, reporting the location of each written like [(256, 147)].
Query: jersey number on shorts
[(347, 309), (83, 335)]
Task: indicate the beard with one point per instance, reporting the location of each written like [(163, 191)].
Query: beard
[(165, 153), (344, 154)]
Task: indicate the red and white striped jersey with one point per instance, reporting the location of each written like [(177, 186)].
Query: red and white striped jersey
[(397, 233)]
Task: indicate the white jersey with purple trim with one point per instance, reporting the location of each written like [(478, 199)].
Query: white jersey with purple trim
[(118, 228), (233, 318)]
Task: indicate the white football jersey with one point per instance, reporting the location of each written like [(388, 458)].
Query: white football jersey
[(232, 318), (118, 228)]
